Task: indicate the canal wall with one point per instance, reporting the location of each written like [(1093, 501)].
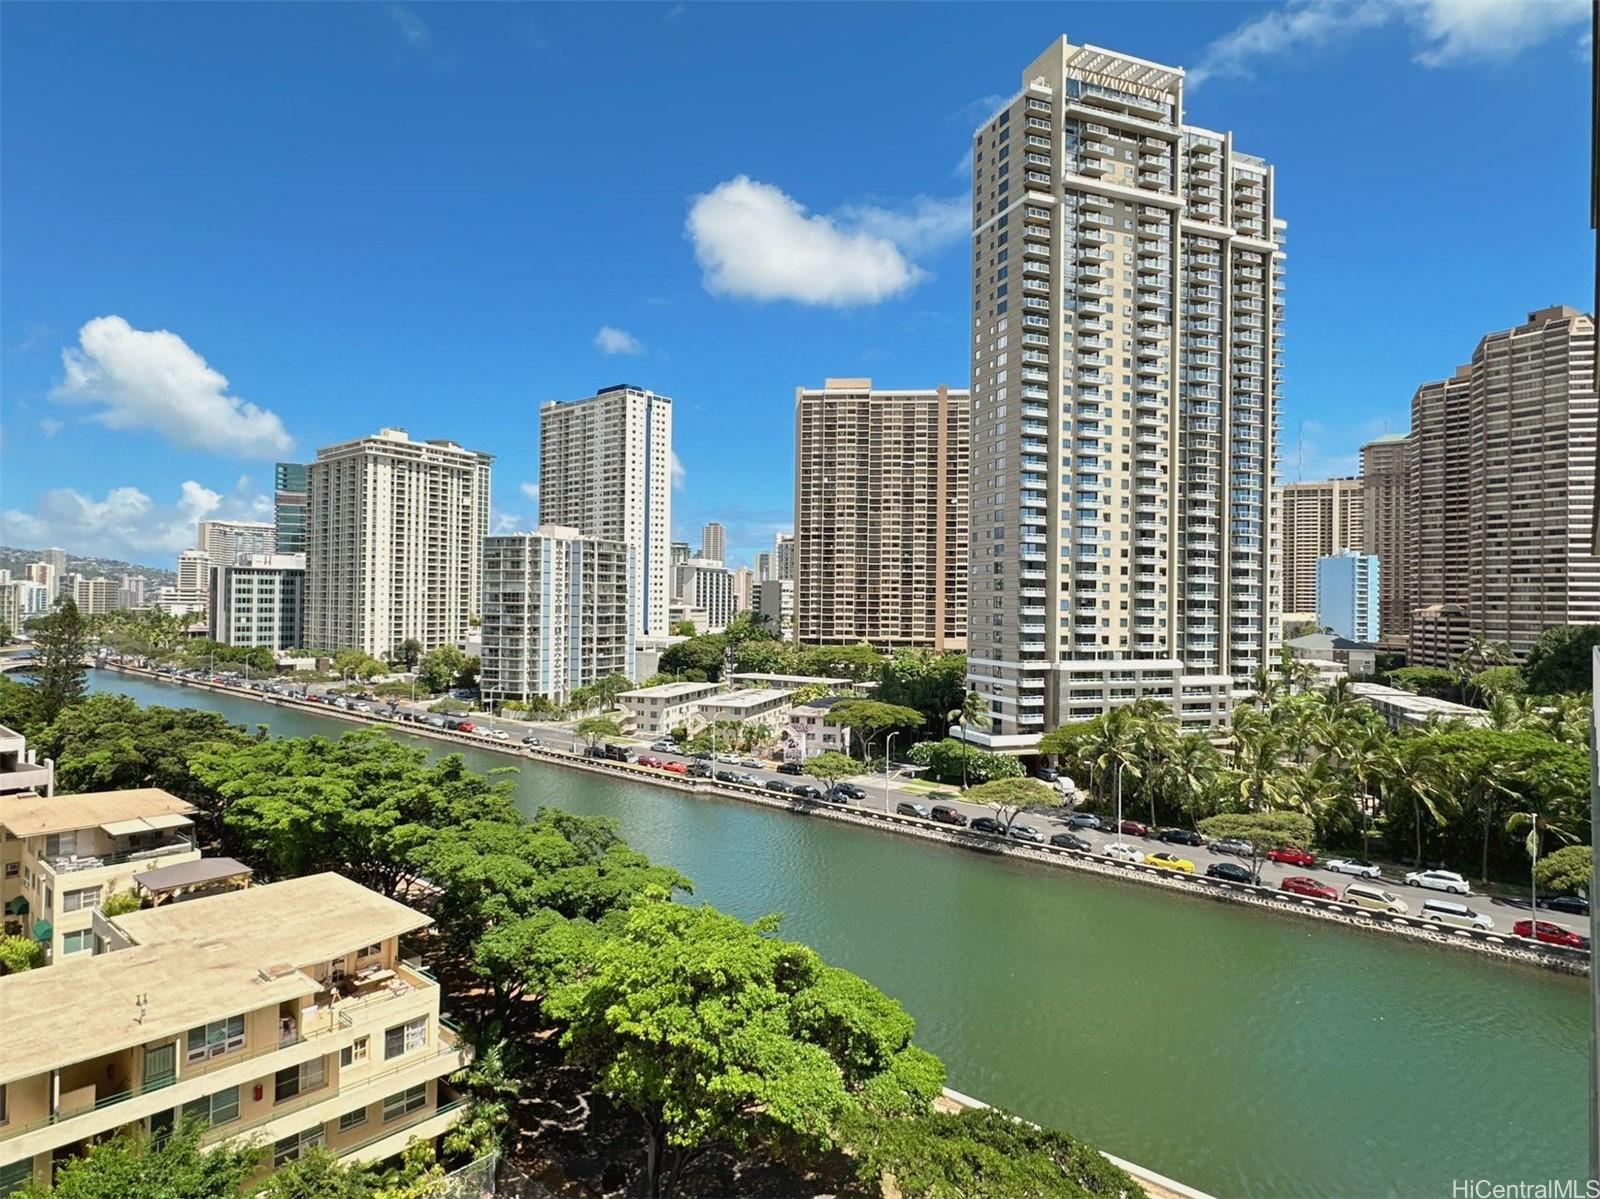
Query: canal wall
[(1501, 946)]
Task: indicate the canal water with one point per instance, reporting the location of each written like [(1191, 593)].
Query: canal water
[(1241, 1052)]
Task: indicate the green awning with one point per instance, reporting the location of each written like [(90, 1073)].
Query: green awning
[(17, 905), (42, 929)]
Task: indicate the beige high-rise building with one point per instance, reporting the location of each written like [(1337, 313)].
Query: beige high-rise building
[(1500, 485), (395, 533), (605, 469), (783, 556), (882, 481), (1127, 306), (228, 541), (1386, 526), (1318, 519), (714, 542)]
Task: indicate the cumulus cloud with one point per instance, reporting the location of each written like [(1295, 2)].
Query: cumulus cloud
[(412, 27), (152, 380), (506, 522), (611, 340), (679, 475), (126, 522), (49, 426), (1442, 32), (531, 490), (756, 242)]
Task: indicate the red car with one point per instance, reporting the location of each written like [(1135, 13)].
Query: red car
[(645, 760), (1551, 934), (466, 726), (1290, 856), (1133, 828), (1299, 884), (675, 767)]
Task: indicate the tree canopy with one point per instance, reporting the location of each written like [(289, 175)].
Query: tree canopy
[(60, 643), (1569, 869), (1561, 660), (828, 768), (1009, 798)]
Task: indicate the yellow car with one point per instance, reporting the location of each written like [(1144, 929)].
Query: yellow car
[(1169, 861)]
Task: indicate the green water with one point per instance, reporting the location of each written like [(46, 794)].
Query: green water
[(1240, 1052)]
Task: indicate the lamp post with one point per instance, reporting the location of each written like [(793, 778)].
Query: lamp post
[(888, 756)]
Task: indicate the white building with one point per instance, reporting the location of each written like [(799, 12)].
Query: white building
[(750, 706), (707, 585), (395, 531), (1347, 595), (557, 613), (260, 600), (653, 711), (605, 469), (775, 603), (227, 541), (783, 556), (714, 542), (743, 584), (48, 577), (1127, 273)]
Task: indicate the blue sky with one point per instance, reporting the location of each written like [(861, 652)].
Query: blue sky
[(441, 216)]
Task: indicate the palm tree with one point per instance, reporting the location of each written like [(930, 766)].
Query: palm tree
[(1535, 824), (1416, 775), (973, 712), (1186, 774), (1507, 712), (1154, 735), (1114, 749)]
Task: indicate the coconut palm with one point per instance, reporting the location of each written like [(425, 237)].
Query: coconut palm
[(1412, 774), (973, 713)]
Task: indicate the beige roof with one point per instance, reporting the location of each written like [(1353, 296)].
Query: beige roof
[(35, 816), (194, 961)]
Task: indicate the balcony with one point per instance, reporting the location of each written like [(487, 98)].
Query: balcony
[(74, 864)]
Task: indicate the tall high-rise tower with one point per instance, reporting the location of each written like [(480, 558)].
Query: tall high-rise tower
[(605, 469), (1387, 527), (714, 542), (1315, 520), (289, 506), (1127, 301)]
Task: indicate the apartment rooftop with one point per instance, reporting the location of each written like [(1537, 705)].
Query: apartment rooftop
[(745, 701), (798, 680), (120, 813), (670, 690), (192, 962)]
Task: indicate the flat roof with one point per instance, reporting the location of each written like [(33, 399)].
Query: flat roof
[(187, 874), (193, 962), (750, 699), (803, 679), (34, 816), (669, 690)]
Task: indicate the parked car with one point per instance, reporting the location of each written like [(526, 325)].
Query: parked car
[(1180, 836), (1046, 774), (837, 794), (675, 767), (1356, 866), (727, 759), (1550, 934), (911, 809), (1026, 832), (750, 763), (1083, 820), (1231, 872), (791, 768), (726, 776), (500, 734), (1169, 861), (779, 786), (1574, 905), (533, 741), (699, 770), (1292, 855), (1235, 846), (806, 792), (986, 824), (466, 726), (945, 814), (1299, 884), (1121, 851), (665, 747), (1072, 841), (647, 760), (1438, 880), (1132, 828), (850, 789), (750, 780), (1375, 899), (1456, 915)]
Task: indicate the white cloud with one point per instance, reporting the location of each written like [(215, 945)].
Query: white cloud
[(49, 427), (153, 380), (506, 522), (611, 340), (1442, 32), (754, 241), (679, 475), (531, 490), (412, 27), (126, 523)]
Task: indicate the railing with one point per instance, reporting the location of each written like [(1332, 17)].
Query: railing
[(70, 864)]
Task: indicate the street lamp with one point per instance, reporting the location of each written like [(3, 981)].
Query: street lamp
[(888, 756)]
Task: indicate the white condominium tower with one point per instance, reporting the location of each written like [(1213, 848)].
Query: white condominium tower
[(227, 541), (605, 469), (394, 532), (1127, 273), (714, 542)]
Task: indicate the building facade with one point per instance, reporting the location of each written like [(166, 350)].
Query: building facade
[(1127, 283), (395, 532), (289, 506), (557, 613), (1347, 595), (1500, 488), (227, 541), (743, 584), (1318, 519), (605, 469), (882, 482), (783, 556), (705, 584), (96, 596), (775, 605), (260, 600), (1386, 526), (714, 542)]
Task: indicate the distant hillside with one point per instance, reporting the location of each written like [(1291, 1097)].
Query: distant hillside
[(17, 562)]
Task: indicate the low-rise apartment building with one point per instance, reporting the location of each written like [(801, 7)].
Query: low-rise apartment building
[(655, 711), (810, 732), (788, 682), (282, 1013), (61, 857), (20, 767), (769, 706)]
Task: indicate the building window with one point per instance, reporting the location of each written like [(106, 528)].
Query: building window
[(293, 1148), (354, 1052), (78, 942), (16, 1175), (217, 1038), (298, 1080), (371, 951), (403, 1038), (221, 1108), (11, 869), (76, 901), (353, 1119), (408, 1100)]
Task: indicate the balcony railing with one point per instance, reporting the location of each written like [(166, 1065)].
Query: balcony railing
[(68, 864)]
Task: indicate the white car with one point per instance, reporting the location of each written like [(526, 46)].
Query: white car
[(1438, 880), (1121, 851), (1353, 866)]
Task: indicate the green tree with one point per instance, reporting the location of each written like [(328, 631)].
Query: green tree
[(1568, 870), (981, 1153), (131, 1166), (409, 653), (358, 664), (1561, 660), (683, 628), (714, 1031), (1010, 798), (120, 903), (860, 663), (828, 768), (61, 642), (1263, 830), (318, 1175), (440, 668), (595, 729), (1426, 680), (1499, 680), (20, 953), (608, 688), (870, 719), (932, 683), (952, 761), (706, 654)]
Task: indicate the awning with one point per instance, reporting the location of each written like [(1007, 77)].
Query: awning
[(144, 824), (42, 930), (17, 905), (170, 820)]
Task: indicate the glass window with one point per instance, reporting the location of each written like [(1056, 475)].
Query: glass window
[(291, 1148), (353, 1119), (403, 1038), (78, 942), (76, 901), (221, 1108), (216, 1038), (408, 1100)]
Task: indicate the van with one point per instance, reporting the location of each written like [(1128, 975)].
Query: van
[(1456, 915), (1374, 899)]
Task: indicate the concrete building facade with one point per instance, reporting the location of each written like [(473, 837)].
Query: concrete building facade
[(605, 469), (714, 542), (1127, 279), (1386, 524), (1318, 519), (775, 604), (558, 613), (882, 487), (227, 541), (705, 584), (260, 600), (395, 532)]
